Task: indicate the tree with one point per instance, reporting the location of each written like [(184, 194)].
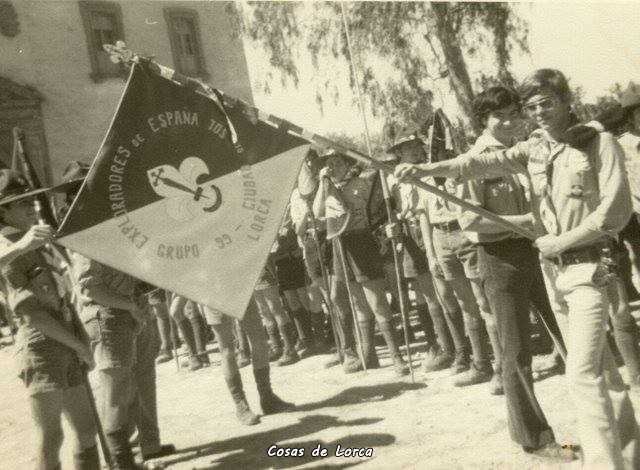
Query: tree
[(426, 46)]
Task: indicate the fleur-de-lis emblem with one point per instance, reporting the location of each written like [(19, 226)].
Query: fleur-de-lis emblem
[(188, 188)]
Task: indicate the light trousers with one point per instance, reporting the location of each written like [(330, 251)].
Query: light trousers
[(607, 426)]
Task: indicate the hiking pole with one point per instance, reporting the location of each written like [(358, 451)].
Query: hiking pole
[(18, 136), (400, 284)]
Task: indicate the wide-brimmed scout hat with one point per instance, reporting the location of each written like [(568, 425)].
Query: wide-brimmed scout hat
[(406, 134), (14, 187), (630, 98)]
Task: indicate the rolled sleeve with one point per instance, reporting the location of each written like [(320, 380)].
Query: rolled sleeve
[(87, 272)]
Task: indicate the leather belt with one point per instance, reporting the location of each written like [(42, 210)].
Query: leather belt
[(448, 226), (587, 254)]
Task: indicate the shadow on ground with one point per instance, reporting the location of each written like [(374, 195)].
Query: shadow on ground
[(250, 451), (363, 394)]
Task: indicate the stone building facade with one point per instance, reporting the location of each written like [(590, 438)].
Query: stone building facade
[(60, 87)]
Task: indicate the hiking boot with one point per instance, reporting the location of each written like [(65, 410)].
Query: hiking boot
[(164, 356), (333, 361), (275, 352), (475, 375), (269, 401), (461, 363), (553, 452), (245, 415), (204, 359), (351, 362), (288, 357), (495, 387), (243, 412), (400, 367), (304, 348), (435, 360), (194, 363)]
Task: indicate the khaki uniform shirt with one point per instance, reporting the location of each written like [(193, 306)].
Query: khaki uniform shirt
[(440, 210), (88, 272), (355, 193), (630, 143), (570, 188), (502, 195), (39, 279)]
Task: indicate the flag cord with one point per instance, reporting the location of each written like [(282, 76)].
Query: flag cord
[(385, 189)]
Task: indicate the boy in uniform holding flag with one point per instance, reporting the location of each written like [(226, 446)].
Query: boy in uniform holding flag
[(50, 353), (580, 200)]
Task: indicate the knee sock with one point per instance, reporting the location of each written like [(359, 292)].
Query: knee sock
[(87, 459)]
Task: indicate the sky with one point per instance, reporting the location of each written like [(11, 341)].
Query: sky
[(594, 43)]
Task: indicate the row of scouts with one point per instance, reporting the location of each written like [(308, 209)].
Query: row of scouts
[(474, 279)]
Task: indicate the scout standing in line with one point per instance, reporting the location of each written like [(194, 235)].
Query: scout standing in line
[(112, 319), (455, 258), (223, 328), (511, 271), (364, 265), (49, 351), (581, 199), (440, 354)]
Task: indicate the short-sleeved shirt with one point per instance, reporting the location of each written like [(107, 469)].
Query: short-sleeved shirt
[(630, 144), (440, 210), (355, 193), (36, 277), (570, 188), (502, 195), (88, 272)]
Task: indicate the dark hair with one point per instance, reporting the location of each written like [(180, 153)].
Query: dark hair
[(545, 81), (492, 99)]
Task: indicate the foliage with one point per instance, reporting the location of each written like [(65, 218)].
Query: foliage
[(405, 51)]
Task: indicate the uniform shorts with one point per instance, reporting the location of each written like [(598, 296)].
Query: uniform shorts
[(47, 366), (267, 276), (414, 260), (363, 259), (112, 334), (290, 272), (457, 255)]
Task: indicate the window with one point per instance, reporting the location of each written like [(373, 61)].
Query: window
[(184, 36), (102, 25)]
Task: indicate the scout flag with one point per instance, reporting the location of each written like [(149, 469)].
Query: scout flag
[(185, 194)]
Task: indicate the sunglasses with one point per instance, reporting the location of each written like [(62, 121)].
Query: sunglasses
[(544, 104)]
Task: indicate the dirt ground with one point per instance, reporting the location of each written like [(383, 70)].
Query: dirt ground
[(428, 424)]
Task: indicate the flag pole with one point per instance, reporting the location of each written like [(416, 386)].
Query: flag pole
[(122, 54), (400, 285), (18, 136)]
